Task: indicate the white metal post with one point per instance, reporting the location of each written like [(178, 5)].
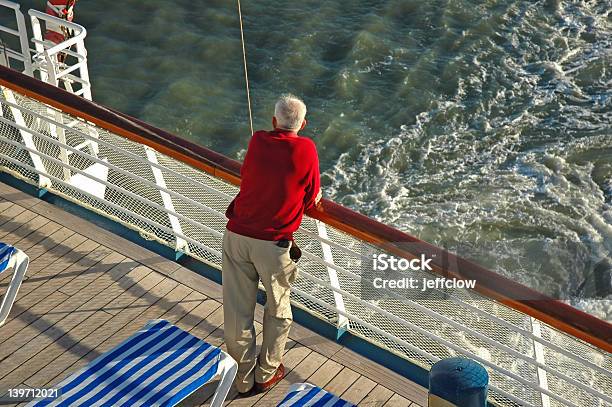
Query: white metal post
[(343, 321), (539, 355), (43, 181), (60, 134), (23, 41), (40, 50), (83, 70), (23, 54), (181, 244)]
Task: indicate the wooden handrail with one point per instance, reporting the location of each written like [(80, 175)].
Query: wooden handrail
[(488, 283)]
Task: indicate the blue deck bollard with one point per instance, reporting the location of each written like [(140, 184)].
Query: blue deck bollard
[(458, 382)]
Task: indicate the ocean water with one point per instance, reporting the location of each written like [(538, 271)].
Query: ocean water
[(481, 126)]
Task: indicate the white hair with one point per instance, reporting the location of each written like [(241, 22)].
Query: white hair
[(289, 112)]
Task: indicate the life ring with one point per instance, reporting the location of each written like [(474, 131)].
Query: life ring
[(63, 9)]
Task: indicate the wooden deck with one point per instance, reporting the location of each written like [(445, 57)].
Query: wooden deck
[(87, 289)]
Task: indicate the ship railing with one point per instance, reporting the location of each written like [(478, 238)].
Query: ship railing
[(18, 57), (538, 351), (63, 64)]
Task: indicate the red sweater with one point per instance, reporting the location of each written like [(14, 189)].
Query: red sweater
[(280, 180)]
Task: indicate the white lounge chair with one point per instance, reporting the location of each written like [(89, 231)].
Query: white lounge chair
[(160, 365), (308, 395), (11, 258)]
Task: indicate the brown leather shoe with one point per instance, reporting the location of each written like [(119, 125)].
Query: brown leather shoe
[(280, 373)]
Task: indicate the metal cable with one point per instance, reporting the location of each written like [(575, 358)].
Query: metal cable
[(246, 72)]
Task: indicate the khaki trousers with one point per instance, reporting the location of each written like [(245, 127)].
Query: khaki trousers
[(245, 262)]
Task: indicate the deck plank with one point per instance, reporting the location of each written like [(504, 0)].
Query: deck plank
[(4, 205), (20, 326), (200, 314), (50, 279), (52, 262), (134, 285), (359, 390), (325, 373), (16, 222), (398, 401), (343, 380), (17, 196), (106, 238), (48, 244), (294, 354), (37, 235), (381, 374), (61, 308), (298, 373), (131, 326), (54, 348), (64, 318), (86, 290), (306, 368), (27, 299), (88, 318), (8, 215), (24, 230), (377, 397), (314, 341), (30, 244)]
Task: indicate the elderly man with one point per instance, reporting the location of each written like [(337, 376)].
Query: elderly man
[(280, 180)]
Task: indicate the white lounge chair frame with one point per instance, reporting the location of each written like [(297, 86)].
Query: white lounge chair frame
[(19, 263), (226, 372)]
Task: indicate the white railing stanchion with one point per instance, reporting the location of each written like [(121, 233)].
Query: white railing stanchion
[(23, 42), (343, 323), (28, 141), (40, 60), (539, 356), (83, 71), (23, 53), (60, 134), (180, 244)]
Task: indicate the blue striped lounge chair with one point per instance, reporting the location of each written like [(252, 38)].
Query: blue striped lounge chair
[(15, 259), (160, 365), (308, 395)]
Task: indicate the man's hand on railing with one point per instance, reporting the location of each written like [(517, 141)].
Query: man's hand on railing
[(318, 198)]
